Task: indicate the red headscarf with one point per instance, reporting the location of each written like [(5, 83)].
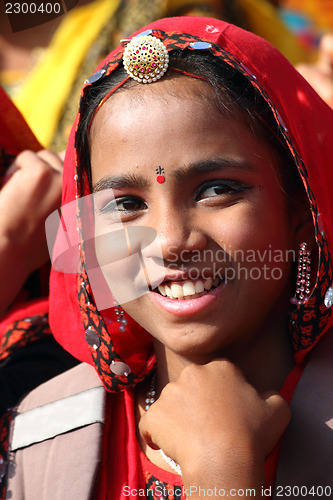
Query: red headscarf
[(15, 134), (15, 137), (305, 122)]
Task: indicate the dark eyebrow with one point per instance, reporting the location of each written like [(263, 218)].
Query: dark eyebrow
[(121, 182), (140, 182), (210, 165)]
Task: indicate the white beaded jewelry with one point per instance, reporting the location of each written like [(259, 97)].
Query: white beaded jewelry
[(302, 292), (120, 313)]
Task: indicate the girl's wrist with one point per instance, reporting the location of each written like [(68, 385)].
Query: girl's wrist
[(229, 470)]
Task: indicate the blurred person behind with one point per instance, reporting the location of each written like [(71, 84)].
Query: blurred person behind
[(30, 189)]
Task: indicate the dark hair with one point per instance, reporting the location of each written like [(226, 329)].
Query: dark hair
[(233, 93)]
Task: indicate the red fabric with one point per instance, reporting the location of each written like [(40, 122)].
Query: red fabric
[(15, 132), (31, 309), (169, 478)]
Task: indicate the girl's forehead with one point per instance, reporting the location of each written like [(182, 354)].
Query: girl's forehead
[(174, 85), (176, 90), (182, 133), (136, 102), (157, 111)]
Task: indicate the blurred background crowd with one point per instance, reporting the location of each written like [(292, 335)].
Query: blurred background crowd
[(43, 68)]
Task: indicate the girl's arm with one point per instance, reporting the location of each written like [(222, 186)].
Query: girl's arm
[(32, 191)]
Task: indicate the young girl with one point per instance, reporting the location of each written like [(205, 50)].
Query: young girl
[(199, 173)]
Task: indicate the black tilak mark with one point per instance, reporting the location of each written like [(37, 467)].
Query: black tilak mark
[(160, 171), (260, 187)]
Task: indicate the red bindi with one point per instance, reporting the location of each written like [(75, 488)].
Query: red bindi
[(160, 178)]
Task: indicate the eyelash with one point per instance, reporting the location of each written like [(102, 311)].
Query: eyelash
[(229, 186), (113, 206)]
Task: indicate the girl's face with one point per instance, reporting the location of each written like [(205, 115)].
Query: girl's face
[(221, 216)]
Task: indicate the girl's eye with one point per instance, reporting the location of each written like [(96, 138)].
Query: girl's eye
[(124, 205), (217, 188)]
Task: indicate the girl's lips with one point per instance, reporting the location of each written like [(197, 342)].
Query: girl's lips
[(187, 307)]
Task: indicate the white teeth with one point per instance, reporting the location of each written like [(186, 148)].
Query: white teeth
[(161, 289), (188, 288), (208, 284), (177, 290), (199, 287)]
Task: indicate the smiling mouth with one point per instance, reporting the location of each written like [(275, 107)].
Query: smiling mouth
[(188, 289)]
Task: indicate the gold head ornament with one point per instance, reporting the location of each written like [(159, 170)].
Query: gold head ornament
[(145, 59)]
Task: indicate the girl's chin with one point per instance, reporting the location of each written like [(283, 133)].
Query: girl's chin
[(196, 343)]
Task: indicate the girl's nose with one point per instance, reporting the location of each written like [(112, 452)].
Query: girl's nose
[(179, 235)]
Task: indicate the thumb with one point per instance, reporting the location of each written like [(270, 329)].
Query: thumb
[(277, 419), (145, 428)]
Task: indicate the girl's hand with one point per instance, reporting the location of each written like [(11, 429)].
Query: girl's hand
[(32, 190), (216, 426)]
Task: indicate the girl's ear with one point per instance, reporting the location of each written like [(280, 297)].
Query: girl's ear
[(304, 226), (305, 232)]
